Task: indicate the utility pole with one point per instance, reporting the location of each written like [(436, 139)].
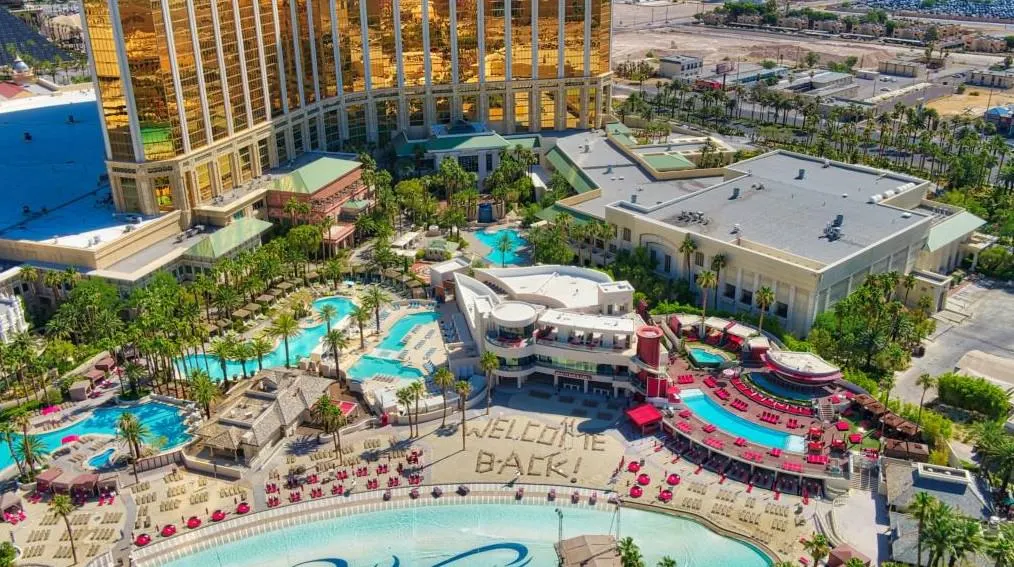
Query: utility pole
[(559, 529)]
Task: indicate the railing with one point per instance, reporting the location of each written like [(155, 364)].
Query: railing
[(582, 347), (520, 343), (157, 461)]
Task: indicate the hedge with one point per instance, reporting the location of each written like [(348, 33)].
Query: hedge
[(973, 394)]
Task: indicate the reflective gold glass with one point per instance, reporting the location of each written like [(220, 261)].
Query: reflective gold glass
[(271, 54), (350, 46), (213, 87), (412, 53), (248, 29), (231, 58), (357, 125), (521, 40), (186, 65), (467, 16), (470, 108), (439, 14), (107, 70), (548, 108), (521, 99), (549, 38), (573, 38), (573, 112), (382, 45), (325, 48), (287, 53), (494, 27)]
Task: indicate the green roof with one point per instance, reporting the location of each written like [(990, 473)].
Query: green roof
[(952, 228), (227, 238), (441, 244), (621, 133), (528, 142), (667, 161), (357, 204), (550, 212), (315, 175), (404, 147), (573, 174)]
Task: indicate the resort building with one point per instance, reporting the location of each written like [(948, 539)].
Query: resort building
[(900, 68), (266, 411), (682, 67), (990, 78), (809, 229), (200, 98), (571, 327)]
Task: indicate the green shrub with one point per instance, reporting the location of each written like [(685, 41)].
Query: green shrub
[(861, 379), (936, 428), (973, 394)]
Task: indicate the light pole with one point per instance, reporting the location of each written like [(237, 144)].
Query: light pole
[(559, 528)]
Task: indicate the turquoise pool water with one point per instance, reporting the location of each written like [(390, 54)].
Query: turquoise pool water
[(383, 359), (704, 357), (471, 535), (299, 347), (161, 419), (101, 460), (712, 412), (495, 256), (761, 380)]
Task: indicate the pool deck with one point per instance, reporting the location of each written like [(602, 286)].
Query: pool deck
[(751, 414)]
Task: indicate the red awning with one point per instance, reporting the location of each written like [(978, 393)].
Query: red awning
[(644, 415)]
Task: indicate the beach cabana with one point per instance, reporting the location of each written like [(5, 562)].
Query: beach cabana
[(10, 501), (909, 450), (61, 484), (252, 307), (739, 334), (94, 375), (717, 323), (105, 363), (80, 389), (240, 314), (645, 417), (85, 484), (892, 420), (877, 409), (683, 323), (45, 479), (264, 299), (109, 481), (285, 286)]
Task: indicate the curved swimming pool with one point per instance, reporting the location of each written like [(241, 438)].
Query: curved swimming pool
[(492, 240), (472, 535), (299, 347), (712, 412), (162, 420)]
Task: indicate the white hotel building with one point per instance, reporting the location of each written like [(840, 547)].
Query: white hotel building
[(567, 326)]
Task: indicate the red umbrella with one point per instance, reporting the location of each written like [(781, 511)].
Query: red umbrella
[(634, 466), (217, 516), (142, 540), (194, 522), (168, 530), (243, 508)]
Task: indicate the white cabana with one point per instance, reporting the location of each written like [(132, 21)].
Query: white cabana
[(404, 240), (685, 320), (741, 331), (716, 323)]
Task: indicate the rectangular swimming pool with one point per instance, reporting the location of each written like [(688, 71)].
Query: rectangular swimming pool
[(712, 412)]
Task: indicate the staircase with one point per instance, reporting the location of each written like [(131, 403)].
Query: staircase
[(864, 474), (826, 411)]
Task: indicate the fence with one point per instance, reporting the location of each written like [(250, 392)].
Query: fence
[(158, 461)]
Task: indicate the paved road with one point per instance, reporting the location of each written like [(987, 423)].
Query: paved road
[(978, 317)]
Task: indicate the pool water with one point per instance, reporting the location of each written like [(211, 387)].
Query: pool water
[(299, 346), (706, 358), (162, 420), (712, 412), (761, 380), (471, 535), (102, 460), (383, 359), (495, 256)]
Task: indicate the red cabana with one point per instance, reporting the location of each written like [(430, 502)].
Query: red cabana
[(645, 417), (46, 478)]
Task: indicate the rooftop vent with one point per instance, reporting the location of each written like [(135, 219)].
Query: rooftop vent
[(609, 169), (906, 215), (633, 198), (736, 228), (735, 193), (838, 220), (844, 195), (827, 163), (802, 173), (760, 186)]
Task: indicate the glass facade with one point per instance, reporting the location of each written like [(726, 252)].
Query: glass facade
[(176, 76), (467, 17), (412, 52), (549, 39), (521, 40), (382, 46), (107, 71), (494, 29)]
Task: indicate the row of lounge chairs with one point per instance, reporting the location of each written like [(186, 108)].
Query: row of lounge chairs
[(770, 402)]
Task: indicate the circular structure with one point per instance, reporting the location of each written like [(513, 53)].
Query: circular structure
[(801, 367), (514, 314), (649, 338)]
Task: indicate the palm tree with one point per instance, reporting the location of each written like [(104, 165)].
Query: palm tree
[(706, 280), (967, 540), (133, 372), (504, 245), (687, 248), (132, 432), (1001, 547), (331, 419), (62, 506), (921, 507), (444, 379), (260, 347), (764, 298), (241, 353), (418, 390), (854, 562), (32, 451), (908, 282), (285, 327), (668, 562), (489, 362), (818, 547), (328, 312), (630, 554), (361, 315), (718, 263), (463, 388), (8, 433), (336, 340), (374, 299), (203, 390), (924, 381), (222, 348), (404, 397)]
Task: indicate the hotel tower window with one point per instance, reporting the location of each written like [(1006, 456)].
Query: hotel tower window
[(521, 40), (350, 45), (467, 16), (412, 54), (382, 44), (573, 38), (549, 39), (439, 16), (494, 23)]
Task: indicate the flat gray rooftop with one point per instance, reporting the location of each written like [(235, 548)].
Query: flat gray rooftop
[(790, 214), (619, 177)]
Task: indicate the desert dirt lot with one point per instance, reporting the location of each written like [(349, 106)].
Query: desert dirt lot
[(638, 30), (973, 101)]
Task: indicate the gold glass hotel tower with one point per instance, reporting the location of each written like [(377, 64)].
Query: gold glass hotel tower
[(199, 96)]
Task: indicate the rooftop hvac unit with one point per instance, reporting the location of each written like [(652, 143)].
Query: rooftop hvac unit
[(735, 193), (875, 198)]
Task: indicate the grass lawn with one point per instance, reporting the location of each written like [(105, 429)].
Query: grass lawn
[(868, 441)]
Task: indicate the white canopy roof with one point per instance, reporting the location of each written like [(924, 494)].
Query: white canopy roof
[(588, 322), (741, 331), (716, 323)]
